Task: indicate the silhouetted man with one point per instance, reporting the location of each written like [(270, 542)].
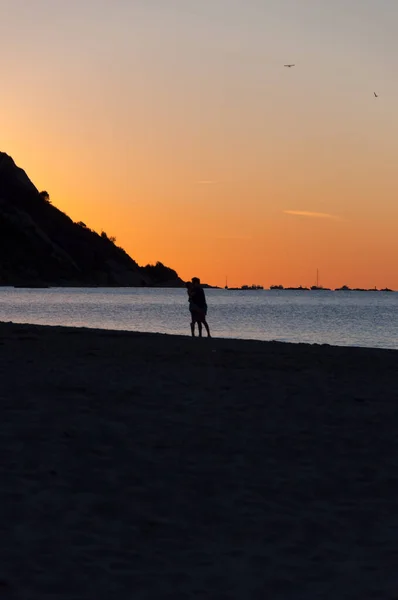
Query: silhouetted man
[(198, 307)]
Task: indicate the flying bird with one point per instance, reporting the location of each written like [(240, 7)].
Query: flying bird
[(289, 66), (376, 95)]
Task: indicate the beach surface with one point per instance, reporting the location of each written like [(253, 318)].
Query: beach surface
[(144, 466)]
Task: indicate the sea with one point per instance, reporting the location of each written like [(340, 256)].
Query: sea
[(340, 318)]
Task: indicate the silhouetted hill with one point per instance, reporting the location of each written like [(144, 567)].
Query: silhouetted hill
[(162, 275), (41, 245)]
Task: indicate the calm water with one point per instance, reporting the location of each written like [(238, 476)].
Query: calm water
[(339, 318)]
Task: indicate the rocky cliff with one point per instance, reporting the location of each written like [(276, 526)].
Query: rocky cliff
[(41, 245)]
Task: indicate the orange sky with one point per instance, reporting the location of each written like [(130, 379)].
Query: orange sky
[(175, 127)]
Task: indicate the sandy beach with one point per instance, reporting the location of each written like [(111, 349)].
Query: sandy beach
[(144, 466)]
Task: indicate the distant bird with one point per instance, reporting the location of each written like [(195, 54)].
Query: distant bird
[(289, 66), (376, 95)]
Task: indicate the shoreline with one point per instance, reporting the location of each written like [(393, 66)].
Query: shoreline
[(154, 466), (83, 328)]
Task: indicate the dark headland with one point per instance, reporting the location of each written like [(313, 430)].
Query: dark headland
[(154, 467), (40, 245)]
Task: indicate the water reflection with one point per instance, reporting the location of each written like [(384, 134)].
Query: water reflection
[(339, 318)]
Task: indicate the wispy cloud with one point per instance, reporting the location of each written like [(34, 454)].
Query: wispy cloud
[(312, 215)]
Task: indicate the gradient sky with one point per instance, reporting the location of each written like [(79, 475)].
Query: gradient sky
[(173, 125)]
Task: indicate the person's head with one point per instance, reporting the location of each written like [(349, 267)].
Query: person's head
[(195, 280), (188, 285)]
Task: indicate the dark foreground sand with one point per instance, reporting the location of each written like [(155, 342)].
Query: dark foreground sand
[(138, 466)]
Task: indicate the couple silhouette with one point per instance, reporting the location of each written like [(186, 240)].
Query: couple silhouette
[(197, 306)]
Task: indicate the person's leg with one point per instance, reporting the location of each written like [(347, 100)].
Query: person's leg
[(205, 323), (203, 320), (200, 328), (192, 323)]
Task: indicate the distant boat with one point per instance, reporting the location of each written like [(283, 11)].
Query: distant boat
[(317, 286)]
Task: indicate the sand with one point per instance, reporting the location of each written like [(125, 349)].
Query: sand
[(144, 466)]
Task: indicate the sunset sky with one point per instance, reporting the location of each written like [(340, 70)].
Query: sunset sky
[(174, 126)]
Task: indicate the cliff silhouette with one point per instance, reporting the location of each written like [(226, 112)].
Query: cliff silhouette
[(41, 245)]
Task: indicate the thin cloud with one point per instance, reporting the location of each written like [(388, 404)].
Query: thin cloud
[(312, 215)]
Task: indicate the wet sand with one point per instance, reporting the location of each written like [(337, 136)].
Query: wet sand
[(142, 466)]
